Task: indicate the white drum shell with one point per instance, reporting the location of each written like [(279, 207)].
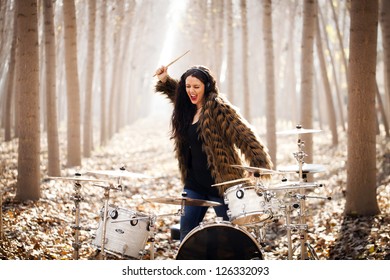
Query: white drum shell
[(248, 206), (127, 238)]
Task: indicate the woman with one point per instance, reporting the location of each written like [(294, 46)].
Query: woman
[(207, 132)]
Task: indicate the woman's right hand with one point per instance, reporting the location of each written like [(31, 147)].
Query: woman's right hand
[(162, 73)]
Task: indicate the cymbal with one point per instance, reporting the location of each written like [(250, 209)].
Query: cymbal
[(298, 131), (119, 173), (262, 171), (306, 168), (75, 179), (185, 200), (293, 185), (231, 182)]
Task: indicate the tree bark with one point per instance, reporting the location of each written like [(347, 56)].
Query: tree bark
[(384, 20), (230, 52), (246, 92), (53, 168), (328, 93), (28, 179), (87, 126), (103, 74), (361, 168), (308, 33), (269, 79), (72, 85)]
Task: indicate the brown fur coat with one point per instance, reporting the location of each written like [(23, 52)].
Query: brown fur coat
[(227, 139)]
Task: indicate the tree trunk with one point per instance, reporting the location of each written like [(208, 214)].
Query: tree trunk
[(342, 51), (246, 92), (382, 111), (103, 74), (10, 87), (230, 52), (53, 168), (28, 180), (269, 79), (335, 79), (72, 85), (88, 127), (308, 33), (328, 93), (385, 28), (361, 168)]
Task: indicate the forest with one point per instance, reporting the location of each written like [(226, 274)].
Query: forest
[(84, 135)]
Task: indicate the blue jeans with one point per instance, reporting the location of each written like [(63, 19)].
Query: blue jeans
[(193, 215)]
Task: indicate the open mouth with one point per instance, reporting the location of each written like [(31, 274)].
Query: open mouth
[(193, 97)]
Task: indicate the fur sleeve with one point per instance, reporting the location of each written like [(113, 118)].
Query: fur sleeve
[(168, 88), (240, 133)]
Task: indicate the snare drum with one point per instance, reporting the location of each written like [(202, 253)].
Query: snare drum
[(127, 232), (219, 241), (249, 206)]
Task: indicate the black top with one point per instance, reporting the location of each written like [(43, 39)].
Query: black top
[(199, 177)]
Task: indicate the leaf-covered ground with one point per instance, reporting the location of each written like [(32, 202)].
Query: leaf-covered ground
[(43, 229)]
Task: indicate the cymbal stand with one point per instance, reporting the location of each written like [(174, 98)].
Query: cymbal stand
[(105, 214), (152, 228), (302, 226), (77, 198)]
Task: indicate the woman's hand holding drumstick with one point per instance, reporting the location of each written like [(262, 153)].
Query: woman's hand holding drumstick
[(162, 72)]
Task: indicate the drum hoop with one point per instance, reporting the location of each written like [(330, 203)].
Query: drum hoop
[(228, 224), (240, 186)]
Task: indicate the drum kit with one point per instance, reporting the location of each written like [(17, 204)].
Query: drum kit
[(252, 205)]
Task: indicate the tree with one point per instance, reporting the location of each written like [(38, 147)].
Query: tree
[(246, 92), (53, 168), (361, 168), (72, 85), (309, 23), (88, 127), (230, 52), (269, 78), (385, 28), (28, 180), (328, 93), (103, 73), (10, 86)]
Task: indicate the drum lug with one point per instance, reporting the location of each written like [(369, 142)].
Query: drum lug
[(240, 194), (114, 214), (133, 222), (229, 214)]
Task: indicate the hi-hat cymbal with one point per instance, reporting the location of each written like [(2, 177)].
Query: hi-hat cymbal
[(306, 168), (262, 171), (119, 173), (185, 200), (76, 179), (298, 131)]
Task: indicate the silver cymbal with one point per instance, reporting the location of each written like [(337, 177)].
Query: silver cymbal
[(231, 182), (306, 168), (76, 179), (185, 200), (262, 171), (293, 185), (298, 131), (119, 173)]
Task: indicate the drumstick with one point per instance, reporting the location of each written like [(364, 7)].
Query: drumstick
[(173, 61)]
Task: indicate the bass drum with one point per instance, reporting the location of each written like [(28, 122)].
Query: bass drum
[(219, 241)]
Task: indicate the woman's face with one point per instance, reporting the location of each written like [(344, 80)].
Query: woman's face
[(195, 90)]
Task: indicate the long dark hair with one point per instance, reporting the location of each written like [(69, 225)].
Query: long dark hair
[(184, 111)]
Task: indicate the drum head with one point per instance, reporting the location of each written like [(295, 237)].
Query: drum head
[(218, 242)]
